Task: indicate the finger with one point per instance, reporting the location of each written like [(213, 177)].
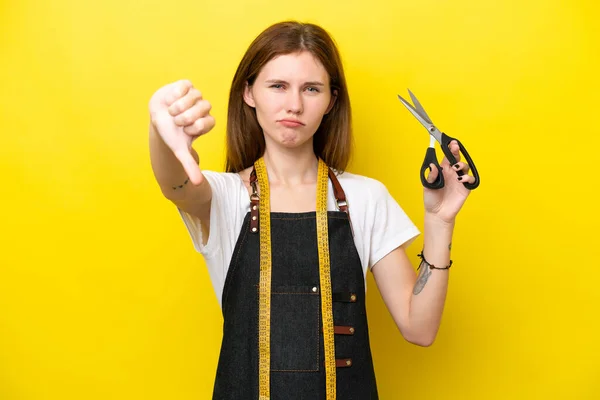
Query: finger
[(466, 179), (200, 126), (433, 174), (177, 90), (190, 166), (454, 149), (186, 102), (189, 116), (461, 166)]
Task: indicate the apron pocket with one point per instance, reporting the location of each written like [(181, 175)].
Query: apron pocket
[(295, 324)]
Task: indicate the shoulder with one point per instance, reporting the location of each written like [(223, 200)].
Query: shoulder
[(380, 223), (228, 189), (227, 181), (221, 176), (360, 187)]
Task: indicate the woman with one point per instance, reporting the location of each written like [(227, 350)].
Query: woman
[(287, 235)]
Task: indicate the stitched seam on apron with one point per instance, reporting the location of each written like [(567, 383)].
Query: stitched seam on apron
[(310, 294), (301, 218), (295, 370)]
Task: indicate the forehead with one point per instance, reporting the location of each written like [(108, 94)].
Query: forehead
[(295, 67)]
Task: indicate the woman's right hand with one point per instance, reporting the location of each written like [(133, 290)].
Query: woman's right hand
[(179, 115)]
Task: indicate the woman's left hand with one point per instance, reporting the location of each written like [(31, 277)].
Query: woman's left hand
[(445, 203)]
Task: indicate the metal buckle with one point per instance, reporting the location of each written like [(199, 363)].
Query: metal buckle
[(254, 196)]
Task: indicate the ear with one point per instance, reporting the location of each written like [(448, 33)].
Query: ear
[(332, 101), (248, 96)]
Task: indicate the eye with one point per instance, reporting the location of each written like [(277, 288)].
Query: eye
[(276, 86), (313, 89)]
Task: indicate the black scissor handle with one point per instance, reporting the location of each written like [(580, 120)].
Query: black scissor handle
[(431, 158), (445, 143)]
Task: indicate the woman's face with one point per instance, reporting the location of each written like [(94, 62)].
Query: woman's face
[(291, 94)]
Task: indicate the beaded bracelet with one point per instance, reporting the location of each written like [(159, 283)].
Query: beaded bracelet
[(431, 266)]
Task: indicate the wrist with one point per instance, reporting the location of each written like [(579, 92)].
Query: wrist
[(437, 235), (435, 222)]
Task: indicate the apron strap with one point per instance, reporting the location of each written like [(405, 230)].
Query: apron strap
[(338, 193)]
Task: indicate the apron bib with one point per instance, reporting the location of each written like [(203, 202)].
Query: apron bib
[(292, 362)]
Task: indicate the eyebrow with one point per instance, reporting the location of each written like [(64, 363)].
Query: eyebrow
[(311, 83)]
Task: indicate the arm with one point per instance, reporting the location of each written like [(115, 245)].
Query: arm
[(178, 116), (415, 302), (173, 180)]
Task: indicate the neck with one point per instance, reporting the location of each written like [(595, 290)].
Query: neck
[(291, 166)]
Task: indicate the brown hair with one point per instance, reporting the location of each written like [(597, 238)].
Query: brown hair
[(333, 139)]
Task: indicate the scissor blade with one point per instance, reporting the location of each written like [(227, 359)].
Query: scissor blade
[(414, 112), (419, 107)]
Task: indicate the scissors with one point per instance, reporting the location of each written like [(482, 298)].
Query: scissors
[(444, 140)]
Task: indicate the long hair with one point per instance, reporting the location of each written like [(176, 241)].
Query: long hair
[(245, 140)]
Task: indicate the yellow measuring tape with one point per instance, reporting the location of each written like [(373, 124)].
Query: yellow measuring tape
[(264, 312), (264, 324), (325, 278)]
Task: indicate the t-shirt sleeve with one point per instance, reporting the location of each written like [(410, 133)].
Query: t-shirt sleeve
[(224, 225), (220, 215), (391, 226)]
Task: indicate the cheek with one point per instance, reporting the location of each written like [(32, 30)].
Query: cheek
[(318, 107), (268, 109), (267, 102)]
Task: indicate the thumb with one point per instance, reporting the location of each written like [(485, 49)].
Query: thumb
[(433, 174), (190, 166)]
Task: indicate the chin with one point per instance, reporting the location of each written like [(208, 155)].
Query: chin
[(289, 142), (292, 139)]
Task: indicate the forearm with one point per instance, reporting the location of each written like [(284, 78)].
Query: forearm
[(168, 171), (429, 293)]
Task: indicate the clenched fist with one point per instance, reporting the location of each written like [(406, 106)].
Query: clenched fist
[(179, 115)]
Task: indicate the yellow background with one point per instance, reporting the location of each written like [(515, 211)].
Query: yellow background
[(101, 293)]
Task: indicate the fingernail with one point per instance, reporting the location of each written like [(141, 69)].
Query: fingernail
[(460, 178), (456, 166)]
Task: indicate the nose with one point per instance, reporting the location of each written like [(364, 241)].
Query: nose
[(294, 104)]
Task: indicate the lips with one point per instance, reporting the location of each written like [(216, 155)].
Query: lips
[(291, 123)]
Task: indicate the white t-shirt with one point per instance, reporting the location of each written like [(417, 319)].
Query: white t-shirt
[(380, 225)]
